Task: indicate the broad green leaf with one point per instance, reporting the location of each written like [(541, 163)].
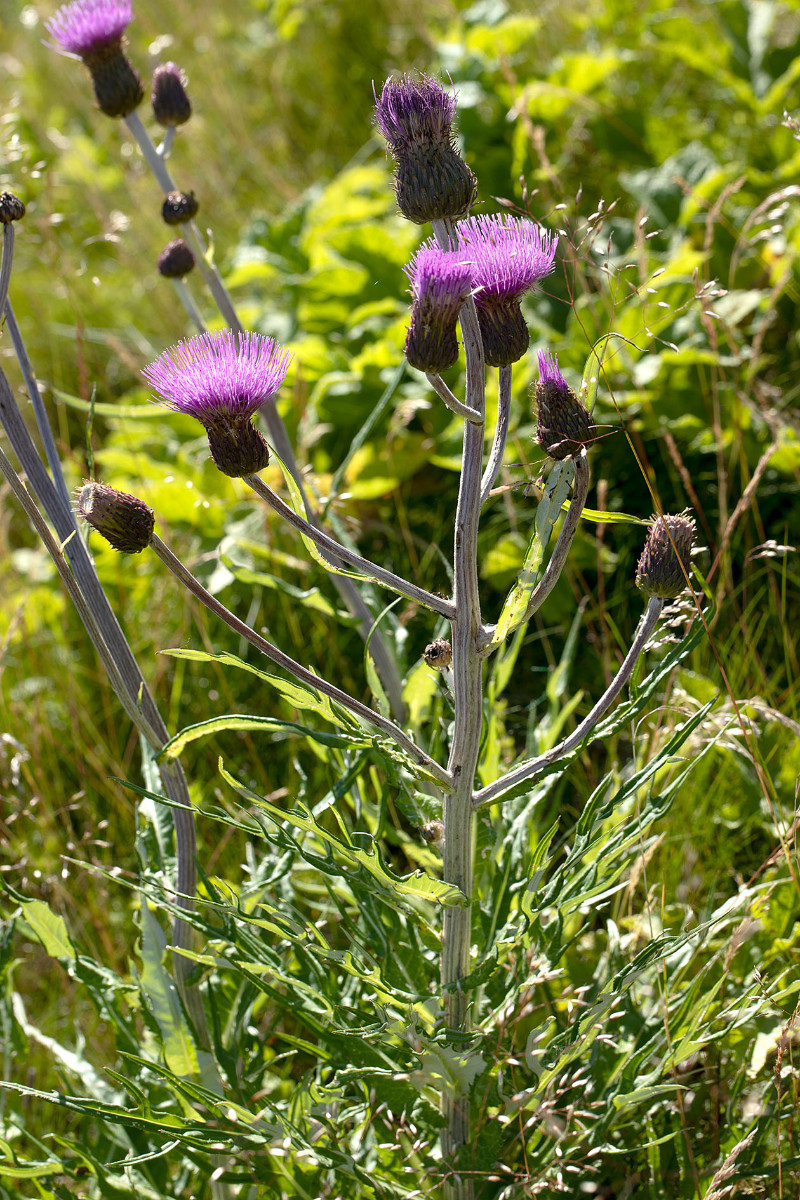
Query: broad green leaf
[(162, 996), (48, 928)]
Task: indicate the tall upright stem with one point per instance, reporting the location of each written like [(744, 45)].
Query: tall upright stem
[(458, 812)]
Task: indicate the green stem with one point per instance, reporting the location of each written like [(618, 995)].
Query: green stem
[(458, 851)]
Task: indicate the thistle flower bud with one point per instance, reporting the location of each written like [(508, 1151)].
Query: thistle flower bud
[(123, 520), (509, 256), (176, 259), (438, 654), (563, 424), (433, 834), (171, 105), (93, 30), (664, 565), (179, 207), (440, 282), (11, 208), (222, 379), (431, 178)]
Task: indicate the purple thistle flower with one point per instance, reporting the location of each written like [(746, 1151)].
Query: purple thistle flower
[(509, 256), (223, 379), (563, 424), (93, 29), (432, 180), (440, 282), (84, 26), (413, 110)]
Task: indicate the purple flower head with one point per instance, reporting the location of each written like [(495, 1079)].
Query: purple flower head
[(93, 29), (222, 379), (84, 26), (432, 180), (509, 256), (413, 110), (440, 282), (563, 424)]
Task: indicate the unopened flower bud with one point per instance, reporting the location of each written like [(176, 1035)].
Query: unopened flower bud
[(93, 30), (663, 569), (433, 834), (440, 282), (176, 259), (431, 178), (179, 207), (123, 520), (438, 654), (11, 208), (563, 424), (171, 105)]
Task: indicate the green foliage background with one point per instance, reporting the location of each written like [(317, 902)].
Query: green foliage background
[(651, 135)]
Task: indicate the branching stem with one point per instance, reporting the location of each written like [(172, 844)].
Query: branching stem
[(445, 608), (429, 766), (500, 433), (530, 769)]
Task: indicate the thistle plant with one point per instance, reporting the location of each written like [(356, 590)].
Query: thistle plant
[(470, 278)]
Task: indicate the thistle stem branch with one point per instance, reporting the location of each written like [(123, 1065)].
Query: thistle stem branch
[(429, 766), (495, 460), (530, 769), (123, 669), (444, 394), (445, 608)]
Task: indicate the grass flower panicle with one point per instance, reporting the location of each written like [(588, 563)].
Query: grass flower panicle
[(432, 180), (509, 256), (563, 424), (93, 30), (663, 568), (222, 379), (440, 282)]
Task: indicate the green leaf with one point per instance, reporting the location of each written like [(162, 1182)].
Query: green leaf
[(547, 511), (297, 694), (159, 987), (48, 928), (417, 885), (192, 733)]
